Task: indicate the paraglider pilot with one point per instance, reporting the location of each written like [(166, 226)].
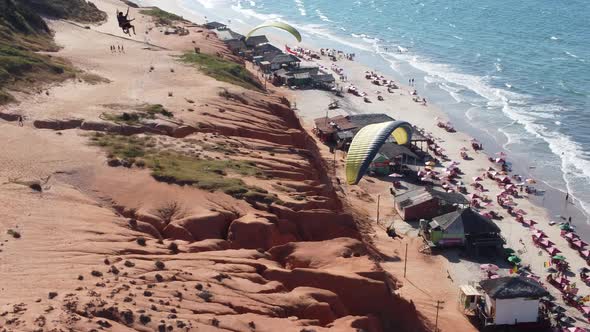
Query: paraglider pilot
[(125, 22)]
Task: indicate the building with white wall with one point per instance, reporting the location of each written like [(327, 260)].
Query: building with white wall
[(511, 300)]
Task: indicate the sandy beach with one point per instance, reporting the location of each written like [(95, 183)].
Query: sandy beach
[(400, 106), (161, 198)]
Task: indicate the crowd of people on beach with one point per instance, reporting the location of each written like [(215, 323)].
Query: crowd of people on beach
[(513, 187), (337, 54)]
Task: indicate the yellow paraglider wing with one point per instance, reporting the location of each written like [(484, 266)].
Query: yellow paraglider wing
[(279, 25), (367, 142)]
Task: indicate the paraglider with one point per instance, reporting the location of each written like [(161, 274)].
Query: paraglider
[(279, 25), (367, 142), (125, 22)]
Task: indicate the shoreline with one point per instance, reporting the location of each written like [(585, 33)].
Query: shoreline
[(461, 121), (491, 144), (311, 104)]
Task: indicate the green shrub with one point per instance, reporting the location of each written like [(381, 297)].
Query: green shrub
[(163, 17), (223, 70)]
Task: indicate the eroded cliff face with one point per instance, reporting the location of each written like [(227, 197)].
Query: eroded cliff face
[(150, 247)]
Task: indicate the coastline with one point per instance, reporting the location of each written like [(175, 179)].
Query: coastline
[(494, 139), (311, 104)]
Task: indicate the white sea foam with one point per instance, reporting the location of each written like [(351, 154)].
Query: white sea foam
[(517, 108), (322, 16), (250, 13), (554, 38), (457, 37), (301, 7), (571, 54)]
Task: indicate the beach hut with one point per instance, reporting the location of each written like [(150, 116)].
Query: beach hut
[(236, 46), (254, 41), (215, 26), (470, 296), (284, 61), (380, 165), (464, 227), (510, 301), (427, 203), (323, 81)]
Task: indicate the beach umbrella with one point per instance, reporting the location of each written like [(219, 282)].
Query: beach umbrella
[(477, 178), (396, 175), (489, 267), (585, 253), (520, 211), (514, 259), (577, 243), (586, 310), (583, 269), (546, 242), (553, 251), (577, 329), (473, 196), (565, 227), (559, 257), (551, 270), (508, 251)]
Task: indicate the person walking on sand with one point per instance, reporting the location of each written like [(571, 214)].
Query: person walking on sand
[(567, 196), (20, 121), (122, 49)]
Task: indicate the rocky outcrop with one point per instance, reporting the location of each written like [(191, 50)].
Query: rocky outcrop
[(9, 116), (317, 225), (360, 295), (58, 124), (213, 225), (252, 232)]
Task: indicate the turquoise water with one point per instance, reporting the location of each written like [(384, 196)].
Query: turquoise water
[(517, 72)]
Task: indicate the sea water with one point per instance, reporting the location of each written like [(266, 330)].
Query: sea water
[(515, 72)]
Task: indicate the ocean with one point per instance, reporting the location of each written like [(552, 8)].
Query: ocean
[(516, 75)]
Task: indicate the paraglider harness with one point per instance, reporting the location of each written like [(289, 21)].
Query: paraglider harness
[(124, 22)]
